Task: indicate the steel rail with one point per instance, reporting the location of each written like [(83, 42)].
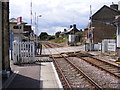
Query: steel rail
[(85, 75), (80, 71), (63, 76), (67, 85), (101, 66)]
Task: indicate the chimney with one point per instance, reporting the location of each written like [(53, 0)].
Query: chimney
[(65, 30), (70, 26), (114, 6), (74, 26)]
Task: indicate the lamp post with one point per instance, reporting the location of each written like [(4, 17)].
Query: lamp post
[(37, 22)]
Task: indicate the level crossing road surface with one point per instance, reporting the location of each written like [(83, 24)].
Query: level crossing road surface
[(63, 49)]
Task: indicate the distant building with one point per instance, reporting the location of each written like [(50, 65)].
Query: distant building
[(23, 29), (71, 30), (102, 22)]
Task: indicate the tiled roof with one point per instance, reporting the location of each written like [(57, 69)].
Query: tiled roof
[(14, 20)]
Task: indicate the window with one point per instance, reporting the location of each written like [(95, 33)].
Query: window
[(17, 27)]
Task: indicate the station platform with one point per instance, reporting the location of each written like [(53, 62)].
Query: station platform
[(36, 76), (49, 76)]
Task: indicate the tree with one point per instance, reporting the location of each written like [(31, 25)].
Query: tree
[(43, 36), (57, 34), (79, 34), (51, 37)]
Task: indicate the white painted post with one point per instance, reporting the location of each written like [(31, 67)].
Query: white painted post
[(118, 41), (117, 22), (0, 44)]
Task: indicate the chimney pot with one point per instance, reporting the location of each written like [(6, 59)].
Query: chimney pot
[(114, 6), (70, 26)]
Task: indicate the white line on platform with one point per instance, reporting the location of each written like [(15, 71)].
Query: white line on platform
[(56, 76)]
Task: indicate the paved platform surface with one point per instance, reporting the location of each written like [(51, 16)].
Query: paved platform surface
[(48, 76), (36, 76), (28, 76)]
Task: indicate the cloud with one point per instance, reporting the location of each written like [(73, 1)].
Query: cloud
[(57, 14)]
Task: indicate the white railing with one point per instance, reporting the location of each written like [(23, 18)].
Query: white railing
[(108, 45), (23, 52)]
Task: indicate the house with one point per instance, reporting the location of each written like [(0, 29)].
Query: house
[(71, 30), (102, 22), (21, 32)]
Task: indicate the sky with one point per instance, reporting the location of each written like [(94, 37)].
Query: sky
[(57, 15)]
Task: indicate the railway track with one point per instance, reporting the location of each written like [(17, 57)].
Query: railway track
[(51, 45), (75, 76), (102, 66), (72, 76)]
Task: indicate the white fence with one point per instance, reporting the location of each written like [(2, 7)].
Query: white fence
[(108, 45), (97, 47), (23, 52)]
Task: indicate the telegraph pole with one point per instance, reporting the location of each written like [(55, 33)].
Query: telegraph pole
[(90, 30)]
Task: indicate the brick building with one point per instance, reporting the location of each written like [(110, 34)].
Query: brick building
[(102, 22)]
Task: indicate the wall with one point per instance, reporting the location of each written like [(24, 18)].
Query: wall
[(16, 30), (5, 36), (101, 22), (103, 31), (0, 44)]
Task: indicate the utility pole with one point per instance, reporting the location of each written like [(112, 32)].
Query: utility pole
[(90, 30)]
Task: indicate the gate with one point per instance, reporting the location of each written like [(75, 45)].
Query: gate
[(23, 52)]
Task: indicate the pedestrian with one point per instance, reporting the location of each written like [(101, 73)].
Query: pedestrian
[(39, 48)]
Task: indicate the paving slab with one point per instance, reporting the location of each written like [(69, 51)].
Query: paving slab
[(35, 76), (50, 80), (28, 76)]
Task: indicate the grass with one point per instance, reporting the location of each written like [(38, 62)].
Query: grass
[(59, 40)]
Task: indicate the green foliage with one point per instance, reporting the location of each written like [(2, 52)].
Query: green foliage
[(57, 34), (59, 40), (43, 36), (51, 37), (79, 34), (114, 37)]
